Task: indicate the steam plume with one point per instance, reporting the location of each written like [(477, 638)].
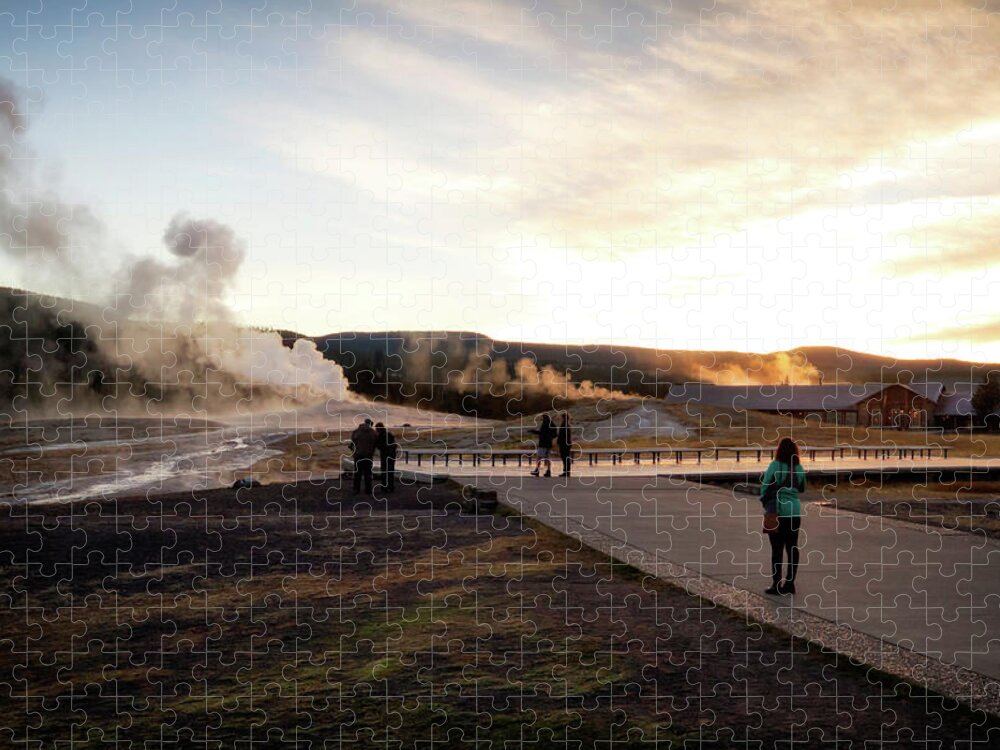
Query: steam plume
[(528, 379), (206, 257), (770, 369), (166, 319), (182, 302), (37, 229)]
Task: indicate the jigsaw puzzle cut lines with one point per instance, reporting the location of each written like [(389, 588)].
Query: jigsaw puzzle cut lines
[(499, 374)]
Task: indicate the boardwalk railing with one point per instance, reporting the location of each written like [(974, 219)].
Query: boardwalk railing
[(615, 456)]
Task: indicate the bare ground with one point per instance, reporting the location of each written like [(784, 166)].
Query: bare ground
[(297, 613), (969, 506)]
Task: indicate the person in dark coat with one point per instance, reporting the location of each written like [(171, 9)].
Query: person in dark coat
[(780, 487), (363, 442), (564, 439), (546, 434), (387, 449)]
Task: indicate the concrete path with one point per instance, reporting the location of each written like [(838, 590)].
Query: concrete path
[(934, 591)]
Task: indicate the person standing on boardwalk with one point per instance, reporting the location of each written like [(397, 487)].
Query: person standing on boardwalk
[(546, 434), (779, 492), (387, 449), (564, 439), (363, 442)]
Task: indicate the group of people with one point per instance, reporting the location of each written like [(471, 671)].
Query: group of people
[(365, 440), (782, 483), (548, 433)]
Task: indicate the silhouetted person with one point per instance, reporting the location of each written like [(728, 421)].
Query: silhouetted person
[(387, 449), (363, 442), (546, 434), (564, 439), (779, 492)]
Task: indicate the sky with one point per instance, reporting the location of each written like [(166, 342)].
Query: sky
[(715, 175)]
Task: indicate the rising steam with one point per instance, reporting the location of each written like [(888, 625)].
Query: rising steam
[(166, 319), (205, 257), (495, 378), (779, 368), (182, 300), (549, 382), (38, 231)]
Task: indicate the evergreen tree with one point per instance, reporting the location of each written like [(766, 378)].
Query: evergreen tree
[(986, 401)]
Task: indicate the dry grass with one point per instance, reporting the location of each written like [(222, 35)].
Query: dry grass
[(295, 611), (963, 505)]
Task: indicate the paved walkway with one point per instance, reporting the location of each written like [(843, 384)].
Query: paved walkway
[(934, 591)]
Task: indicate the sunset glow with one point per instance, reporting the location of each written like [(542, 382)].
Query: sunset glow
[(685, 175)]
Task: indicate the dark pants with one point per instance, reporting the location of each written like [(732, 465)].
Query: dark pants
[(388, 468), (363, 470), (567, 461), (785, 541)]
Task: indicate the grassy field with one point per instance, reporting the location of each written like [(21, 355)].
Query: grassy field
[(965, 506), (296, 614)]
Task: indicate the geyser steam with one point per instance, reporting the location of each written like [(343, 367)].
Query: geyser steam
[(38, 231), (183, 301), (166, 319), (205, 258)]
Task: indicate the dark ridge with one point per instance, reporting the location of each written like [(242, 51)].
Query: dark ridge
[(47, 345)]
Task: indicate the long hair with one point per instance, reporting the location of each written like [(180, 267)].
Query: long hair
[(546, 420), (565, 419), (787, 453)]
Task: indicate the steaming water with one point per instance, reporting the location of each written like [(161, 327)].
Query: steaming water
[(118, 457), (180, 462), (84, 445), (346, 415), (644, 420)]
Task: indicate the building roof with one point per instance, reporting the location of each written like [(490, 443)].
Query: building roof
[(959, 402), (930, 391), (790, 397)]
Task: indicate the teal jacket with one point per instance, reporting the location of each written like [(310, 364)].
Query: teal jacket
[(788, 504)]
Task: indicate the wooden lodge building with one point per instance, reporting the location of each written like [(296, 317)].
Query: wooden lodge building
[(889, 405)]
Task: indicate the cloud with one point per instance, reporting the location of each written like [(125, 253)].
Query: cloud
[(981, 333), (853, 149), (970, 245), (751, 118), (505, 25), (704, 122)]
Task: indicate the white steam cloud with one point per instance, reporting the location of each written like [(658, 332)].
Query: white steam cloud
[(767, 369), (528, 379), (167, 319), (38, 231), (205, 259)]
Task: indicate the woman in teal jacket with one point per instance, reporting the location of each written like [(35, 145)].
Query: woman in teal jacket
[(779, 492)]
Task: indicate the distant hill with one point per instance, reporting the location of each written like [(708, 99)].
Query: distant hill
[(859, 367), (59, 356), (44, 348), (376, 359), (49, 351)]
